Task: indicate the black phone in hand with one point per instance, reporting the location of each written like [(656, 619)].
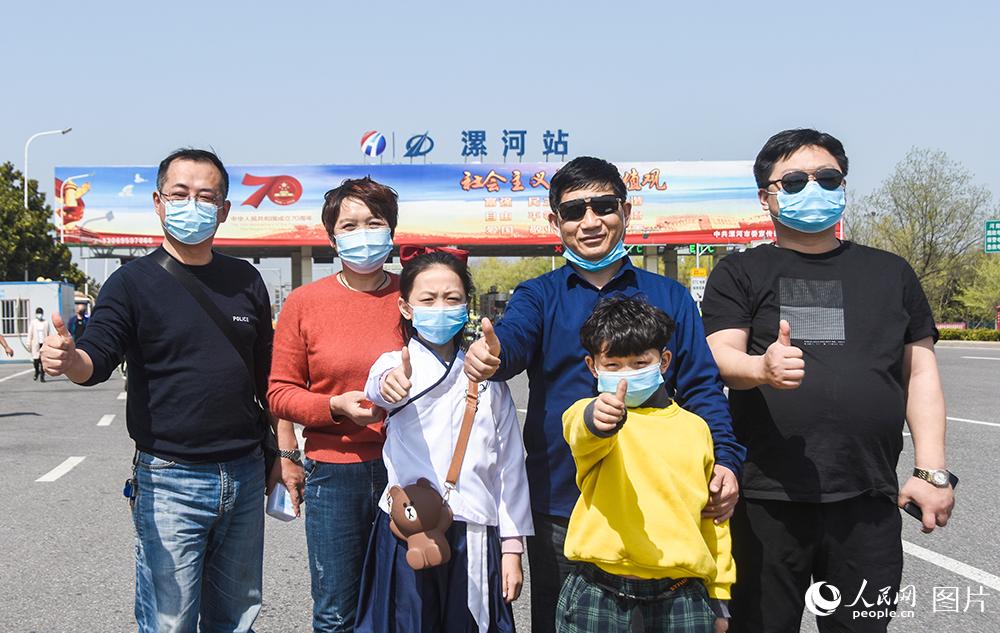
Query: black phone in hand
[(914, 510)]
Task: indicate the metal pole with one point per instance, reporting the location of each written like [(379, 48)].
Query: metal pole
[(26, 145), (697, 255)]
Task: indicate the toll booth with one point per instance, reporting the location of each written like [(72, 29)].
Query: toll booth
[(18, 302)]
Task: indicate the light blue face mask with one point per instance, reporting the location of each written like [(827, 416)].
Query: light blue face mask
[(190, 221), (813, 209), (364, 250), (439, 325), (616, 253), (642, 383)]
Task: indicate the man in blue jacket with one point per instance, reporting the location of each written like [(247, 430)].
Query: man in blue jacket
[(540, 333)]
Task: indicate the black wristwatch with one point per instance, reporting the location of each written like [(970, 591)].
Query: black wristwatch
[(293, 455)]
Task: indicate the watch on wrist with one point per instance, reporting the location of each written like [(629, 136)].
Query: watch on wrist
[(939, 477), (293, 455)]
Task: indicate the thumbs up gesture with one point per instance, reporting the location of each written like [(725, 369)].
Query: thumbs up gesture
[(396, 384), (784, 367), (609, 409), (483, 358), (58, 351)]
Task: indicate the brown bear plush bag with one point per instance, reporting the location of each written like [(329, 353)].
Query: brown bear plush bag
[(419, 515)]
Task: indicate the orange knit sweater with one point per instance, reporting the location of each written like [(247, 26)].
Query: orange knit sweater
[(326, 340)]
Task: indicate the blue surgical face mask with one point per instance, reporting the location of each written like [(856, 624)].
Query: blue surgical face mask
[(642, 383), (190, 221), (616, 253), (439, 325), (364, 250), (813, 209)]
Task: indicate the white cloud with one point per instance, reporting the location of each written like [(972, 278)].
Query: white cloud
[(126, 191), (139, 179)]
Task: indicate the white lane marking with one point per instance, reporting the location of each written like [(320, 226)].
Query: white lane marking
[(905, 434), (123, 395), (973, 421), (20, 373), (299, 437), (982, 357), (61, 469), (107, 420), (525, 411), (972, 573)]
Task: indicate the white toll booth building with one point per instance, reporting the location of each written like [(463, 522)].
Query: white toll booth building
[(18, 302)]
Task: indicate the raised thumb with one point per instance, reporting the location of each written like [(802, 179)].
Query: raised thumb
[(60, 327), (491, 337), (784, 333), (622, 390), (407, 367)]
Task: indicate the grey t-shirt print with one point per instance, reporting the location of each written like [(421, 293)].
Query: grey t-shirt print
[(814, 309)]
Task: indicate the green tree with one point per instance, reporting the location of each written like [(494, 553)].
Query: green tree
[(505, 273), (28, 244), (931, 213), (982, 294)]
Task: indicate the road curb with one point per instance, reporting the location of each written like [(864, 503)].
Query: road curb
[(968, 344)]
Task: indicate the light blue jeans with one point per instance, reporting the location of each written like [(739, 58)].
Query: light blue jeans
[(199, 544), (341, 506)]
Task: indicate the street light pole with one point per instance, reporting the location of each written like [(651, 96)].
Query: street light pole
[(28, 143), (62, 197)]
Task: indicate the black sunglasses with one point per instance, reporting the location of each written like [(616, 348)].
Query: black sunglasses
[(796, 181), (574, 210)]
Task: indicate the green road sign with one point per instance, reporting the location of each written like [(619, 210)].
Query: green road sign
[(992, 236)]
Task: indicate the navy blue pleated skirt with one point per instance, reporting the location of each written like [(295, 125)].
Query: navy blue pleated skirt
[(396, 599)]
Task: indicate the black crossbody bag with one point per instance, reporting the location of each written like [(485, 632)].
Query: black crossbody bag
[(269, 442)]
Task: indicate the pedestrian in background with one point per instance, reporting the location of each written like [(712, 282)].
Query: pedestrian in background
[(37, 331)]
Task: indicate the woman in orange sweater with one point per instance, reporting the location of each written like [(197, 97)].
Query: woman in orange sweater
[(329, 334)]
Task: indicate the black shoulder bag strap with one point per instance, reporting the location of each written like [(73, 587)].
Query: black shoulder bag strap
[(186, 279)]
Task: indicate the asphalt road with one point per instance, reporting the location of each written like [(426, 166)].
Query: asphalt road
[(67, 544)]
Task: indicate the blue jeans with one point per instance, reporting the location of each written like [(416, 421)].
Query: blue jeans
[(199, 544), (341, 504)]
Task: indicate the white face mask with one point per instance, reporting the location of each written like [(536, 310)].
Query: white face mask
[(40, 317)]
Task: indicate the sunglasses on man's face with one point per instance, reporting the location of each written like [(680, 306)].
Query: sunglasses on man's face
[(796, 181), (574, 210)]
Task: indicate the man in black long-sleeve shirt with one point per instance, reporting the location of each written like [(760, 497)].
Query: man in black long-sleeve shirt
[(199, 472)]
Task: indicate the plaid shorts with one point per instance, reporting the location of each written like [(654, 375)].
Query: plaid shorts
[(594, 601)]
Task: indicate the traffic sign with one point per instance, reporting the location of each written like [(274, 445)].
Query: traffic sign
[(992, 239), (698, 279)]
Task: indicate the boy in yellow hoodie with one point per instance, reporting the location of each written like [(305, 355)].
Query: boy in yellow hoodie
[(646, 559)]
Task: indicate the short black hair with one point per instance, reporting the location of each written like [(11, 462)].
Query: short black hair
[(198, 156), (583, 172), (625, 326), (784, 144)]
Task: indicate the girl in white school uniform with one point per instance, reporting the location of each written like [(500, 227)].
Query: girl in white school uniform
[(423, 387)]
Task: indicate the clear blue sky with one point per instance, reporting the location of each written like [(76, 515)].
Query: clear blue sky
[(298, 82)]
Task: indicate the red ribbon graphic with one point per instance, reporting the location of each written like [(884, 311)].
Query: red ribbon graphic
[(281, 190)]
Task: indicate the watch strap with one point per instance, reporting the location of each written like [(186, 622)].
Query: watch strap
[(294, 455), (928, 476)]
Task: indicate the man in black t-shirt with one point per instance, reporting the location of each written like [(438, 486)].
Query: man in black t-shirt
[(198, 478), (827, 347)]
